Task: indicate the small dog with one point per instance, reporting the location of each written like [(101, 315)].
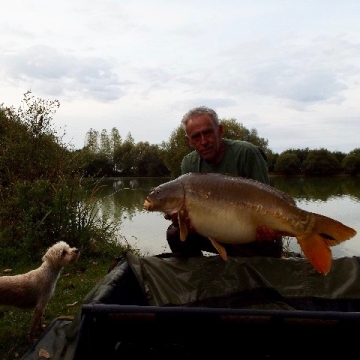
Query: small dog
[(35, 288)]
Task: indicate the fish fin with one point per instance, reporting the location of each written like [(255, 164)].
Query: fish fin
[(182, 225), (220, 249), (316, 251), (332, 231), (326, 232)]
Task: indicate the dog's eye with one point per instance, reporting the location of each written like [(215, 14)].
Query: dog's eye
[(63, 252)]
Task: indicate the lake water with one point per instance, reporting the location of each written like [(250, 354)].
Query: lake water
[(122, 199)]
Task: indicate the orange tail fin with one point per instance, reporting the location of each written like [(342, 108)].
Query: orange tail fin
[(332, 231), (326, 232), (317, 252)]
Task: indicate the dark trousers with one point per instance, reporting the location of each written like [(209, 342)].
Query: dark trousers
[(195, 244)]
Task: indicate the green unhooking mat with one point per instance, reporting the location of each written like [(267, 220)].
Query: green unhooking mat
[(164, 306)]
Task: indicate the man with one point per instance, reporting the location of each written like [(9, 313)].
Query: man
[(213, 153)]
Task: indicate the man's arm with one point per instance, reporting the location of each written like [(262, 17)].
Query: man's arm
[(257, 167)]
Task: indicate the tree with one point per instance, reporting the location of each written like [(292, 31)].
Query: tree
[(124, 156), (36, 114), (237, 131), (174, 150), (36, 168), (105, 145), (115, 139), (339, 155), (42, 197), (271, 159), (321, 162), (13, 139), (30, 147), (300, 153), (351, 162), (148, 161), (92, 140), (288, 163)]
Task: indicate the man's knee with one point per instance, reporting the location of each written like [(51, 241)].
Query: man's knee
[(172, 236), (186, 248)]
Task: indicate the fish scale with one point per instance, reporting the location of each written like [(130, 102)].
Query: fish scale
[(231, 209)]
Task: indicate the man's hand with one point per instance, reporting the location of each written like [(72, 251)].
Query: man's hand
[(263, 233), (175, 221)]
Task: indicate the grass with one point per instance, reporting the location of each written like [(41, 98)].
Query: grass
[(73, 285)]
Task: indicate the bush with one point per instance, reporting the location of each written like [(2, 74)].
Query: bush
[(41, 191), (321, 162), (288, 163), (37, 214)]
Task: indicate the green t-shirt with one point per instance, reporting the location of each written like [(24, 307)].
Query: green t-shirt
[(240, 158)]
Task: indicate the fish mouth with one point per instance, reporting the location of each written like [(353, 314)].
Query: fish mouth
[(147, 205)]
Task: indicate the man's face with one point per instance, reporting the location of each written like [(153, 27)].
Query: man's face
[(204, 137)]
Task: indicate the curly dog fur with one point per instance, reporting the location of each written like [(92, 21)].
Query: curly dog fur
[(35, 288)]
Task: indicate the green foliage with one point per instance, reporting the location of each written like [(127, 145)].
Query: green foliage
[(300, 153), (97, 157), (339, 155), (103, 143), (351, 162), (143, 159), (43, 196), (114, 157), (28, 148), (40, 213), (310, 162), (148, 160), (92, 141), (115, 139), (321, 162), (36, 114), (271, 159), (124, 156), (92, 164), (288, 164), (174, 150), (237, 131)]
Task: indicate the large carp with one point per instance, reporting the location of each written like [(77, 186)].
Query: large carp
[(230, 209)]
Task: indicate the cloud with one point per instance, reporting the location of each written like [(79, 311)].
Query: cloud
[(300, 72), (296, 84), (289, 70), (214, 103), (58, 73)]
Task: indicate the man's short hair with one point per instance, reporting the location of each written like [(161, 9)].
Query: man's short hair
[(200, 110)]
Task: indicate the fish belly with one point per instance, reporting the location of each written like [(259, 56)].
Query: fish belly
[(223, 223)]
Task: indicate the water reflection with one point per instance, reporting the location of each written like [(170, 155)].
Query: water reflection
[(121, 199), (318, 188)]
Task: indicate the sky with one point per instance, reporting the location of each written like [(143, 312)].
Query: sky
[(289, 69)]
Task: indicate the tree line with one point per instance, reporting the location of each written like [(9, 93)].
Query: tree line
[(40, 147), (107, 155)]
